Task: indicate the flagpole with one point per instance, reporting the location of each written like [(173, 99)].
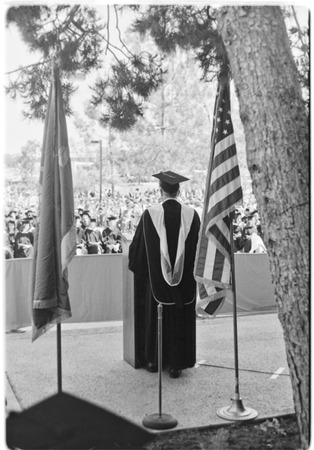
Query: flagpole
[(59, 358), (235, 317), (160, 420), (235, 411)]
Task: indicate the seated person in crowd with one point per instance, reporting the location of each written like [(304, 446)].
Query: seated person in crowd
[(100, 217), (80, 243), (91, 235), (24, 241), (112, 236), (10, 235), (13, 215), (32, 223), (80, 211), (238, 238), (253, 243)]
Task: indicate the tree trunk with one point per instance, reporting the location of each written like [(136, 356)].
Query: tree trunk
[(277, 142)]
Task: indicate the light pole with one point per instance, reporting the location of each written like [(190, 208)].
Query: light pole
[(100, 168)]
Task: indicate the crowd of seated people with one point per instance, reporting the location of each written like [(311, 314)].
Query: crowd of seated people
[(103, 227), (247, 232), (19, 234)]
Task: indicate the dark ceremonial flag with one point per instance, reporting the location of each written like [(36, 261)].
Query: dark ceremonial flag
[(55, 237), (212, 268)]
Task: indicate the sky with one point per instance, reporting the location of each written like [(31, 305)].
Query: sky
[(17, 130)]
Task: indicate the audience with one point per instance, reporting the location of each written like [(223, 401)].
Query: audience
[(104, 227)]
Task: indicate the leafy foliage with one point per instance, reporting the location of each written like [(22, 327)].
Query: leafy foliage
[(173, 132), (33, 86), (124, 89), (79, 41), (26, 163), (69, 35), (187, 27), (74, 36), (299, 42)]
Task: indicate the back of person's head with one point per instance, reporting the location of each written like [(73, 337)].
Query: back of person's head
[(169, 182), (171, 190)]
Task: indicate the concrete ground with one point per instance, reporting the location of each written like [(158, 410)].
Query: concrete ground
[(94, 370)]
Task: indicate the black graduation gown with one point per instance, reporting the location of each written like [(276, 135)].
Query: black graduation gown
[(179, 321)]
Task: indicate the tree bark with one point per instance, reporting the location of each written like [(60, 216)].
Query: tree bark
[(277, 143)]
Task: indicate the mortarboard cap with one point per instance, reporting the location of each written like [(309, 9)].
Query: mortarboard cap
[(169, 181), (111, 218), (170, 177), (67, 422), (93, 220)]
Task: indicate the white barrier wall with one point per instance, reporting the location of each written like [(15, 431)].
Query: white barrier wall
[(97, 289), (101, 288)]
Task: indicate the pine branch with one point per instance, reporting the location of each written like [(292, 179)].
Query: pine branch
[(30, 65)]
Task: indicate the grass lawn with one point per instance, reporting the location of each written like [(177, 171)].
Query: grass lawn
[(277, 433)]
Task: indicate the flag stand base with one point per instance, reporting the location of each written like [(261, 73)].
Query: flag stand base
[(236, 411), (160, 421)]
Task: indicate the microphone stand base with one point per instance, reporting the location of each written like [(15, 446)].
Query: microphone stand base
[(160, 421), (236, 411)]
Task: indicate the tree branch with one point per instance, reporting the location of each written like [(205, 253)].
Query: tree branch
[(30, 65), (299, 29), (108, 31), (119, 31), (70, 17)]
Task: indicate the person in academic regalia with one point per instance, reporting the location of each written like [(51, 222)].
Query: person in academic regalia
[(162, 256), (24, 241), (254, 243), (112, 236), (91, 235)]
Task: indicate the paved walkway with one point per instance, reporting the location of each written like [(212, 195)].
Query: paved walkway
[(94, 370)]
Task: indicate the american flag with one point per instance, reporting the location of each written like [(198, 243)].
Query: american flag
[(55, 237), (212, 269)]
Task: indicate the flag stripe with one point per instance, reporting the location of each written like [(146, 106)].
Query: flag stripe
[(223, 205), (220, 239), (218, 267), (223, 145), (215, 206), (224, 157), (213, 306), (225, 178)]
